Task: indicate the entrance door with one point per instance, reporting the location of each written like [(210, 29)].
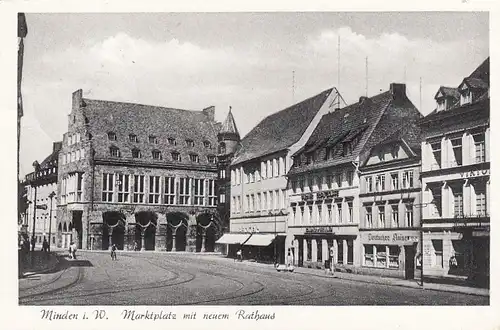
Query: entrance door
[(301, 253), (409, 262)]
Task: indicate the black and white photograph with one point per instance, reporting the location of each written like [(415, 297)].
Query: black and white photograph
[(319, 158)]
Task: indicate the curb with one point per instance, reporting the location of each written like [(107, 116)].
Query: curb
[(43, 271), (396, 284)]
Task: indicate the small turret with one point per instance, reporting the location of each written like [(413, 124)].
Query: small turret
[(228, 136)]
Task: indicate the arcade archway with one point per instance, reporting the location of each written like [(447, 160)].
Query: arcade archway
[(113, 230), (176, 231), (145, 233), (206, 231)]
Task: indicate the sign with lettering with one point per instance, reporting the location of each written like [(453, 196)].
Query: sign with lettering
[(327, 194), (474, 173), (307, 197), (319, 230), (397, 237)]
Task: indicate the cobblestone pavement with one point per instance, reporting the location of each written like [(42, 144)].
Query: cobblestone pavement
[(149, 278)]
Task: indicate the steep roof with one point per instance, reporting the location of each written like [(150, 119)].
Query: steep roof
[(448, 91), (364, 124), (229, 125), (280, 130), (144, 121), (51, 160)]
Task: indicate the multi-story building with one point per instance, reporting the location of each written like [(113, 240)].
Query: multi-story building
[(390, 203), (138, 176), (456, 180), (325, 210), (41, 189), (259, 199)]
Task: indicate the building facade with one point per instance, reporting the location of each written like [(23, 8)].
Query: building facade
[(326, 210), (259, 197), (456, 181), (41, 189), (138, 176)]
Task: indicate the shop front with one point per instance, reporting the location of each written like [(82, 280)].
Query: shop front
[(391, 253)]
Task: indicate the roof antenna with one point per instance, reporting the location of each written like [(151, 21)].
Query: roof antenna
[(366, 91), (293, 87), (338, 71)]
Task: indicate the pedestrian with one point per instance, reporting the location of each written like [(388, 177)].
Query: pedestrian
[(45, 247), (136, 247), (70, 250), (113, 252), (73, 250), (239, 255), (33, 242)]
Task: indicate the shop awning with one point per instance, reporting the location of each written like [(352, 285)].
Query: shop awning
[(232, 238), (260, 240)]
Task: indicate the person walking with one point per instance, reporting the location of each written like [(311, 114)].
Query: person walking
[(45, 248), (113, 252), (73, 250)]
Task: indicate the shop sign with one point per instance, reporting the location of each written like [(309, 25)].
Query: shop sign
[(403, 238), (327, 194), (319, 230), (307, 197), (474, 173)]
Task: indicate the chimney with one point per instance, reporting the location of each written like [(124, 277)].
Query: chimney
[(56, 146), (77, 99), (362, 99), (398, 91), (210, 113)]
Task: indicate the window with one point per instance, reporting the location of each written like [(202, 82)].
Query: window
[(264, 201), (456, 144), (458, 201), (369, 259), (233, 204), (153, 139), (133, 138), (154, 190), (176, 156), (329, 181), (350, 178), (369, 184), (395, 181), (199, 191), (409, 215), (190, 143), (395, 215), (329, 210), (269, 169), (368, 217), (156, 154), (251, 202), (393, 256), (309, 213), (222, 174), (381, 216), (113, 151), (436, 151), (222, 198), (381, 256), (480, 148), (194, 158), (319, 250), (320, 213), (169, 191), (107, 187), (407, 179), (111, 136), (123, 185), (350, 251), (465, 96), (136, 153), (211, 159), (437, 244), (172, 141), (184, 191), (211, 192), (79, 187), (380, 182), (350, 210), (207, 144), (339, 212), (437, 201), (457, 260), (222, 148), (275, 168), (338, 179), (480, 200), (340, 251), (309, 249), (138, 188)]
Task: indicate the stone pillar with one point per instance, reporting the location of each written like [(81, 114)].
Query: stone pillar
[(191, 234), (174, 248), (314, 254), (143, 240), (110, 237), (130, 231), (344, 242), (161, 237), (305, 249), (203, 240)]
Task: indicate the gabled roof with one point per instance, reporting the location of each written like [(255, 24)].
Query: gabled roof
[(475, 83), (448, 92), (229, 125), (280, 130)]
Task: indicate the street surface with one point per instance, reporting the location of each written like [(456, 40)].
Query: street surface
[(149, 278)]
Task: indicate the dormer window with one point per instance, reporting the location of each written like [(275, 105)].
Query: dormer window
[(111, 136), (172, 141), (176, 156), (465, 94), (194, 158), (133, 138), (211, 159), (207, 144), (190, 143), (156, 154), (153, 139), (114, 151), (441, 104), (136, 153)]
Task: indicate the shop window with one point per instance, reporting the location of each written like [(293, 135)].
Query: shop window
[(369, 256), (381, 260), (350, 252), (393, 256), (395, 181), (309, 250), (340, 251), (319, 254), (480, 148), (456, 144), (437, 244)]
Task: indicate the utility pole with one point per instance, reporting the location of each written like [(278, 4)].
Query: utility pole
[(34, 222), (52, 194)]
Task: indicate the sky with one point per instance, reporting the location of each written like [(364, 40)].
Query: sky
[(258, 63)]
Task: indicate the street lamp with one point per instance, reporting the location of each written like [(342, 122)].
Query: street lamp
[(52, 194), (280, 213)]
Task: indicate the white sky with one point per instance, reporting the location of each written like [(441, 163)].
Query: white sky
[(244, 60)]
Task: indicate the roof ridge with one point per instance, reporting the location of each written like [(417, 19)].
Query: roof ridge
[(142, 104), (374, 126)]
